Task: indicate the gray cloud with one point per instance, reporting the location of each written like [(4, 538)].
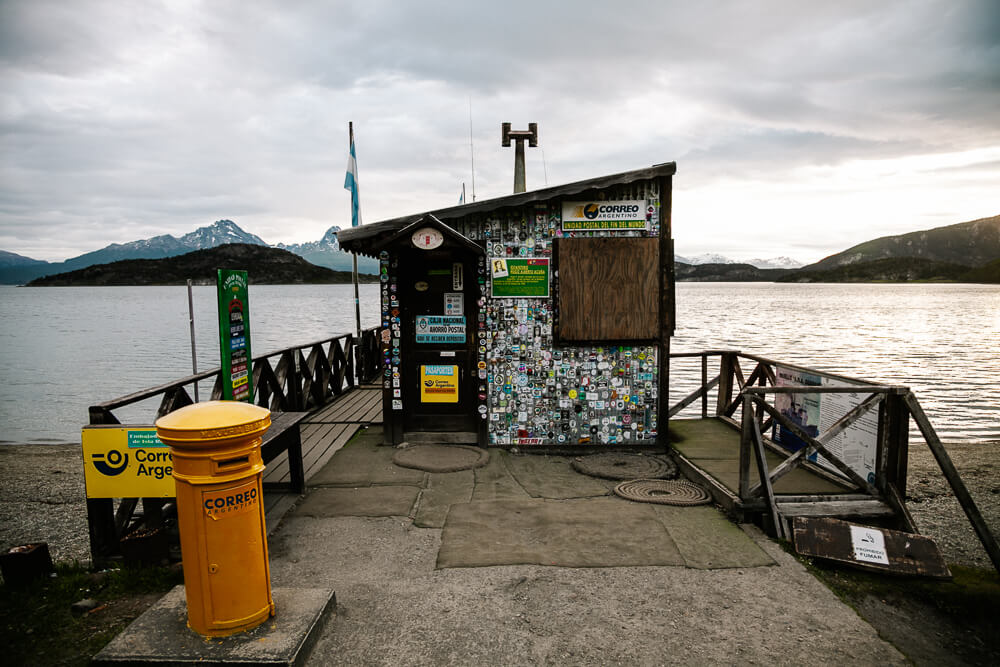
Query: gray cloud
[(120, 120)]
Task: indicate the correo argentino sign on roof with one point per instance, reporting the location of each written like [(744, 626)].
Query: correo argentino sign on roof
[(603, 215)]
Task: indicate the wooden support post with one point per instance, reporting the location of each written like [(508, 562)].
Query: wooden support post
[(954, 479), (725, 383), (746, 434), (704, 384), (758, 450)]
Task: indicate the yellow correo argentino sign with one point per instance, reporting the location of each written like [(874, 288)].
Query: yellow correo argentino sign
[(126, 462)]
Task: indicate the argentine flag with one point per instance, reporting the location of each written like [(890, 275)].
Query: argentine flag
[(351, 183)]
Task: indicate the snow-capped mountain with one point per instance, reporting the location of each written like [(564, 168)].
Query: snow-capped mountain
[(775, 263), (326, 252), (218, 233), (705, 258), (715, 258)]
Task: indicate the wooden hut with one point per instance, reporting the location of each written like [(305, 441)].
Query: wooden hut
[(535, 320)]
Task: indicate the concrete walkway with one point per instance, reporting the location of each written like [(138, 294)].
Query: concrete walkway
[(730, 596)]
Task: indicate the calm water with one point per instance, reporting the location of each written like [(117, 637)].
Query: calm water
[(64, 349)]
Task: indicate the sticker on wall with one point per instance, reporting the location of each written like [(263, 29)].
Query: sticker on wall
[(440, 329), (438, 384), (453, 303), (457, 276), (499, 268)]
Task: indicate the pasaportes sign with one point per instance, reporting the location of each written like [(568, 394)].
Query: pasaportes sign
[(603, 215), (126, 462), (234, 336)]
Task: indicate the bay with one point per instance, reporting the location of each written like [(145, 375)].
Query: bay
[(64, 349)]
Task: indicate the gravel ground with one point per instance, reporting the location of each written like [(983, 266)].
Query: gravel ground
[(42, 499)]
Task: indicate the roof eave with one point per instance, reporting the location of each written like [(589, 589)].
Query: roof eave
[(362, 239)]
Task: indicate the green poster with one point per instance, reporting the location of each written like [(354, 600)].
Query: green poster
[(234, 336), (524, 278)]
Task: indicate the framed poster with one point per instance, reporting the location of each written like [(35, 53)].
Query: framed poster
[(520, 278)]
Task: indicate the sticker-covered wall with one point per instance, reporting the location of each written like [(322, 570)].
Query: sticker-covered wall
[(538, 393)]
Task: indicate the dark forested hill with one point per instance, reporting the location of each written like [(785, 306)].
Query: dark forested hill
[(970, 244), (264, 265)]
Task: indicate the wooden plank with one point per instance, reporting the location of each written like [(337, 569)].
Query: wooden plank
[(318, 458), (374, 413), (955, 480), (332, 409), (867, 507), (352, 407), (587, 268), (832, 539)]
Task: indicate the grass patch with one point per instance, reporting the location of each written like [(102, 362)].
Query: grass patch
[(928, 620), (39, 628)]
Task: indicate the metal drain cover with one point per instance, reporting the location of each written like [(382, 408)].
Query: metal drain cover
[(620, 465), (663, 492)]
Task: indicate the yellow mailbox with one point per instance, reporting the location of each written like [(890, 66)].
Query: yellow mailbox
[(220, 512)]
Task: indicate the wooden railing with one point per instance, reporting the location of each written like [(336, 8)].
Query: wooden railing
[(294, 379), (895, 406)]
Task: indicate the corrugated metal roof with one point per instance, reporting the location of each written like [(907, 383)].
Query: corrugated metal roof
[(362, 239)]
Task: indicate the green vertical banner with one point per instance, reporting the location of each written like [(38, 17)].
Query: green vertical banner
[(234, 336)]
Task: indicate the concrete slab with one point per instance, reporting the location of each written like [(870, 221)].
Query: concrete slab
[(707, 540), (362, 462), (443, 490), (364, 501), (553, 477), (161, 636), (494, 481), (588, 532)]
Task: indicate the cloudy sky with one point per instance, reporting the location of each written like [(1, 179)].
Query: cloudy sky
[(798, 128)]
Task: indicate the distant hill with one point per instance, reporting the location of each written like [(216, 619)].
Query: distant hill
[(726, 273), (17, 270), (264, 265), (969, 244), (891, 270), (12, 259)]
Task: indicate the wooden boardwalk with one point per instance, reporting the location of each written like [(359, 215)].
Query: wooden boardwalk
[(323, 433)]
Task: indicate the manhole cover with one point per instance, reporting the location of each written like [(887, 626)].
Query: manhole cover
[(663, 492), (619, 465), (441, 458)]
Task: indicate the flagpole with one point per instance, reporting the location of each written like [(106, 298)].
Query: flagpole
[(354, 255)]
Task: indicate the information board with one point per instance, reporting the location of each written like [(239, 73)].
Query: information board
[(520, 278), (815, 413), (126, 462), (234, 336)]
